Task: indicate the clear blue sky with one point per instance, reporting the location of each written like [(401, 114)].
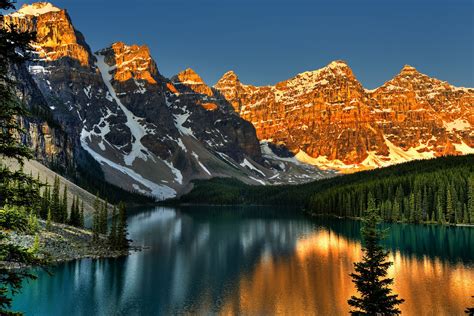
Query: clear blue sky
[(266, 41)]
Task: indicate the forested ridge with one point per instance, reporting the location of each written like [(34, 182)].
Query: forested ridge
[(437, 190)]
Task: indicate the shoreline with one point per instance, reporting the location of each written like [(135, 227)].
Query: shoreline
[(62, 243), (385, 222)]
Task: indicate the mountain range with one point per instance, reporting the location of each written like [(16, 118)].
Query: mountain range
[(112, 114)]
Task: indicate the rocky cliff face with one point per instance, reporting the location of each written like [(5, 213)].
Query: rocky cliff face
[(154, 135), (148, 133), (325, 117), (56, 37), (215, 122)]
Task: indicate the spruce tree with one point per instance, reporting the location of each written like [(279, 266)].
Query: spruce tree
[(48, 220), (77, 213), (81, 216), (71, 219), (55, 201), (449, 205), (63, 207), (16, 187), (470, 198), (113, 230), (96, 219), (411, 206), (370, 276), (122, 241), (45, 202), (395, 211), (104, 214)]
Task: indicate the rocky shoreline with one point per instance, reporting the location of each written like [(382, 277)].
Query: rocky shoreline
[(61, 243)]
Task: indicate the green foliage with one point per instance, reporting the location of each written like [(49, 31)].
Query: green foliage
[(113, 229), (96, 219), (63, 207), (81, 215), (48, 220), (435, 192), (103, 215), (419, 191), (17, 189), (36, 245), (75, 214), (45, 202), (122, 241), (33, 225), (55, 204), (370, 276), (13, 218)]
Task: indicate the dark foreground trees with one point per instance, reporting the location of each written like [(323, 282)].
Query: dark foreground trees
[(118, 236), (439, 191), (19, 192), (370, 276)]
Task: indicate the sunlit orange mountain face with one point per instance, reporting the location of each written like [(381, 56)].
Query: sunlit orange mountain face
[(201, 116), (154, 135)]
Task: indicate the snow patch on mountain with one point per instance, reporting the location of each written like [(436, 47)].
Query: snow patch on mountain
[(36, 9), (179, 120), (464, 148), (159, 191), (246, 163), (137, 130), (200, 163), (459, 125)]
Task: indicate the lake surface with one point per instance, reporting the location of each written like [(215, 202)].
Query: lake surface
[(254, 261)]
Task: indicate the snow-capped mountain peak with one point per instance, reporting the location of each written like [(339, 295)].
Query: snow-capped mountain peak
[(37, 8)]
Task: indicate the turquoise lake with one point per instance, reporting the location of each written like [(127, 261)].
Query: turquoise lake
[(253, 261)]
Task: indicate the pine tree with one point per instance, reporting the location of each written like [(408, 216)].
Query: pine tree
[(16, 187), (45, 202), (440, 209), (113, 230), (395, 211), (470, 198), (96, 219), (425, 216), (63, 207), (55, 201), (122, 241), (48, 220), (104, 214), (71, 219), (449, 205), (370, 274), (81, 216), (411, 207)]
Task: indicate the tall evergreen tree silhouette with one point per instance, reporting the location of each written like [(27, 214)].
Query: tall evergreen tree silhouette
[(370, 276), (16, 188)]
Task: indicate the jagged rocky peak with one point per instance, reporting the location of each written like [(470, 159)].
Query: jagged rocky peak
[(56, 37), (326, 116), (336, 76), (228, 80), (132, 62), (37, 8), (340, 66), (408, 70), (188, 81), (410, 79)]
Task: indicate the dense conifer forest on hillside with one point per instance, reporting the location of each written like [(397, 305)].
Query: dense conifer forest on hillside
[(437, 190)]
